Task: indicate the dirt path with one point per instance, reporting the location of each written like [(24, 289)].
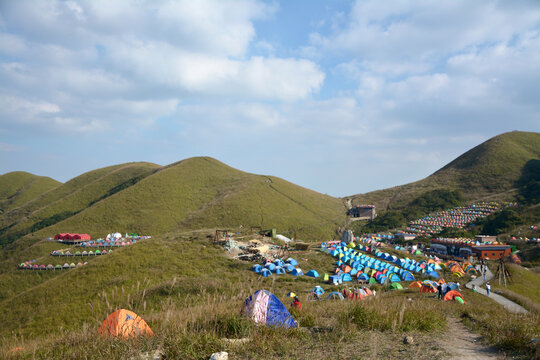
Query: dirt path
[(464, 344)]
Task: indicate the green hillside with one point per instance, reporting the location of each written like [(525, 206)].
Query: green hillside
[(495, 169), (70, 198), (205, 193), (19, 187)]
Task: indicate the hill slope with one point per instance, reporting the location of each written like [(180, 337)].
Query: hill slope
[(70, 198), (495, 168), (19, 187), (205, 193)]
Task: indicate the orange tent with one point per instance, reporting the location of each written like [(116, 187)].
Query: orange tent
[(124, 323), (416, 284), (426, 288), (441, 281), (451, 295)]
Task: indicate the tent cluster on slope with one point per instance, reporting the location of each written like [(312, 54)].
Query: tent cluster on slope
[(114, 240), (79, 253), (460, 270), (427, 267), (29, 265), (458, 218), (450, 290), (366, 268), (279, 267)]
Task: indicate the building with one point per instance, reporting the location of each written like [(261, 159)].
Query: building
[(362, 212), (72, 238), (491, 251), (485, 238), (405, 236)]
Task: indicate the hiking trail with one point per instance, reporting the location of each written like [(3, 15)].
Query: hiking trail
[(463, 344)]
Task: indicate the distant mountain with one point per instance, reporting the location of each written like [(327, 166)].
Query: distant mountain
[(19, 187), (66, 200), (191, 194), (495, 169)]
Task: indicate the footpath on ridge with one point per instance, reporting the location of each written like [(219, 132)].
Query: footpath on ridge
[(508, 304)]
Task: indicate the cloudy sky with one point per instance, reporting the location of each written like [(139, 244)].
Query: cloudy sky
[(338, 96)]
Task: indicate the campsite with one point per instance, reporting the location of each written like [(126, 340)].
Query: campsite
[(269, 179)]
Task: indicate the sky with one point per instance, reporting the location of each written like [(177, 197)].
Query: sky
[(341, 97)]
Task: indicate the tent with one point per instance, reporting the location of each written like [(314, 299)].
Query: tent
[(396, 286), (279, 270), (452, 295), (292, 261), (428, 288), (124, 323), (265, 273), (265, 308), (335, 296), (318, 290), (312, 273), (346, 277), (416, 284)]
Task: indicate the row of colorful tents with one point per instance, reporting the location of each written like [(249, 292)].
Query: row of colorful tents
[(66, 266), (458, 218), (280, 266), (366, 268), (79, 253), (106, 243)]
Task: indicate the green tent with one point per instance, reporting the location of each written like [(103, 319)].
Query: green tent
[(396, 286), (372, 280), (459, 300)]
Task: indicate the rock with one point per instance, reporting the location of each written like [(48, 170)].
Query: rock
[(223, 355), (408, 340)]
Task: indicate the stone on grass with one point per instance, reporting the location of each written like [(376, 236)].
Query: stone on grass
[(223, 355)]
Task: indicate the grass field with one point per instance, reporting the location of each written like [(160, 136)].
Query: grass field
[(191, 294)]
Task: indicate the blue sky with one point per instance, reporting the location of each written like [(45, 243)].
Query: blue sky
[(341, 97)]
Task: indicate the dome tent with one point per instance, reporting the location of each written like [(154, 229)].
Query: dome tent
[(265, 308), (124, 323)]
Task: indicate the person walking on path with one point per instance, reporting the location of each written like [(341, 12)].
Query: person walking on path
[(488, 288), (439, 289)]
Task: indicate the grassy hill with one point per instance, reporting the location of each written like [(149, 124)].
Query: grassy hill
[(69, 199), (19, 187), (495, 169), (205, 193)]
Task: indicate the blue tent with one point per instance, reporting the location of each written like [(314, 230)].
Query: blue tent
[(278, 262), (433, 274), (346, 277), (407, 276), (363, 276), (265, 308), (318, 290), (288, 267), (270, 266), (335, 296), (297, 272), (257, 268), (265, 273), (292, 261), (394, 278), (335, 279), (312, 273), (279, 270)]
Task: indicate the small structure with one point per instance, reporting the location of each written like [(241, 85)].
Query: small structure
[(404, 236), (485, 238), (362, 212)]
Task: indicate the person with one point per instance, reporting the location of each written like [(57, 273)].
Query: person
[(474, 288), (488, 288), (439, 289), (296, 303)]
